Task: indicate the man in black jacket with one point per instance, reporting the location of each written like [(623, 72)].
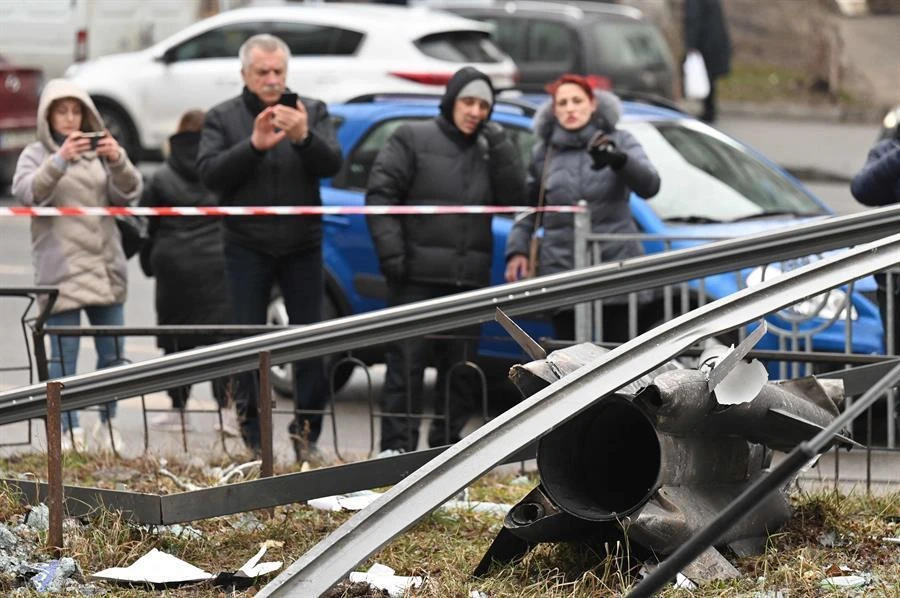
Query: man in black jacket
[(256, 151), (458, 158)]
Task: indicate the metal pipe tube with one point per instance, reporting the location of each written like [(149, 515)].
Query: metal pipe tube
[(461, 309)]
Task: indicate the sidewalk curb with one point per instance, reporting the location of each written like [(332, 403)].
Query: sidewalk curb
[(802, 112)]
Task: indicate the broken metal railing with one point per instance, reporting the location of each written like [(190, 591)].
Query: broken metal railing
[(453, 311), (427, 488), (181, 507), (31, 296)]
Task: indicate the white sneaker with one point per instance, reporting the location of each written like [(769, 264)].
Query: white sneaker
[(171, 422), (229, 426), (67, 443), (104, 442), (389, 453)]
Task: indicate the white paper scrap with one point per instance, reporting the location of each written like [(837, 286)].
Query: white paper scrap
[(253, 568), (156, 567), (383, 578), (355, 501), (845, 581)]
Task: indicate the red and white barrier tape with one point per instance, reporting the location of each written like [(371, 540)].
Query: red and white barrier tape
[(276, 210)]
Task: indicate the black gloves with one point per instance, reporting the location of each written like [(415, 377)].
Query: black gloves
[(604, 153), (394, 269), (493, 132)]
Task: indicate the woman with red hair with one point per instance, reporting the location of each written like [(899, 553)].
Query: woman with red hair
[(581, 154)]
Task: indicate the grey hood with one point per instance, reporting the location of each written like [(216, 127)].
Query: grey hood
[(64, 88)]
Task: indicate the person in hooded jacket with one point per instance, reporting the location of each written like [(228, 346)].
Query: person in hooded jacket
[(458, 158), (878, 184), (185, 255), (580, 154), (80, 255)]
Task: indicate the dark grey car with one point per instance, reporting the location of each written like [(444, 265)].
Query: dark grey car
[(612, 43)]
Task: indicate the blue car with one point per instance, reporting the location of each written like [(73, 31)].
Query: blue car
[(712, 187)]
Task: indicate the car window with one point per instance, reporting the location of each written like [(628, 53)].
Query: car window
[(511, 35), (316, 40), (706, 177), (223, 42), (623, 46), (460, 46), (550, 42), (354, 173)]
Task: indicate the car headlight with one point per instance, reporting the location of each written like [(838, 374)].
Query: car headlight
[(831, 305)]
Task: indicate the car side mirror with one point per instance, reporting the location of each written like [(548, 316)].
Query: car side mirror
[(167, 57)]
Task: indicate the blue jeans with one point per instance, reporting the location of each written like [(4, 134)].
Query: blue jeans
[(251, 277), (64, 349)]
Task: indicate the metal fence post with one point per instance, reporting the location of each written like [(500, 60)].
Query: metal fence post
[(265, 414), (580, 240), (54, 470)]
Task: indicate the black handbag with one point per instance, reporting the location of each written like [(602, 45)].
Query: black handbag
[(133, 231)]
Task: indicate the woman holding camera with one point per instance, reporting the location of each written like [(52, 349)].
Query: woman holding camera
[(581, 155), (76, 163)]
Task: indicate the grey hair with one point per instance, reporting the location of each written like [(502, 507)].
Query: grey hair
[(265, 42)]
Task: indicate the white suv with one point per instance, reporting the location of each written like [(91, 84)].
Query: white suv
[(339, 51)]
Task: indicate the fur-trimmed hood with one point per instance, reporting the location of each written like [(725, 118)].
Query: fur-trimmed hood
[(607, 114)]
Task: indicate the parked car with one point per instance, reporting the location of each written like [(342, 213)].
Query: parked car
[(56, 33), (712, 187), (20, 90), (338, 52), (613, 44)]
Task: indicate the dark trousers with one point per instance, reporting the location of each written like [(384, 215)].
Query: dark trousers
[(251, 276), (709, 103), (403, 384), (180, 394), (615, 324)]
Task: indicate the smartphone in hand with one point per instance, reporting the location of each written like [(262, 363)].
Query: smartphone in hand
[(95, 137), (289, 99)]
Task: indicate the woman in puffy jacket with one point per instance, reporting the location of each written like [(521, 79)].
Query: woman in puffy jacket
[(582, 155), (76, 163), (186, 255)]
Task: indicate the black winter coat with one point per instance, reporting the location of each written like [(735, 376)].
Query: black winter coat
[(433, 163), (186, 253), (705, 30), (285, 175)]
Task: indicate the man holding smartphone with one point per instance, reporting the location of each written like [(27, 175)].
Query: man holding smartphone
[(269, 146)]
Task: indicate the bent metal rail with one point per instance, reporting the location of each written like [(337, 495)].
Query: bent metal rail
[(428, 317)]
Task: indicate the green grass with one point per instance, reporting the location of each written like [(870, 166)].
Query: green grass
[(764, 83), (446, 546)]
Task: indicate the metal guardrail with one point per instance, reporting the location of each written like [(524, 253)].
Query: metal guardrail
[(472, 307), (423, 491)]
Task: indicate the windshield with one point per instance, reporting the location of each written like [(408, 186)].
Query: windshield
[(628, 46), (708, 178)]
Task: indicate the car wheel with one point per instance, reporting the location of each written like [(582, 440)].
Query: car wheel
[(121, 127), (282, 376)]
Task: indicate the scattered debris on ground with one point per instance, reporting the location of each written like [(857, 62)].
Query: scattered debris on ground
[(846, 541)]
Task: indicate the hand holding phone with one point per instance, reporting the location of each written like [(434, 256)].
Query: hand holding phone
[(95, 137), (289, 99)]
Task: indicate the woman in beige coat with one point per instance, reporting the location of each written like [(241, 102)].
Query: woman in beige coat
[(80, 255)]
